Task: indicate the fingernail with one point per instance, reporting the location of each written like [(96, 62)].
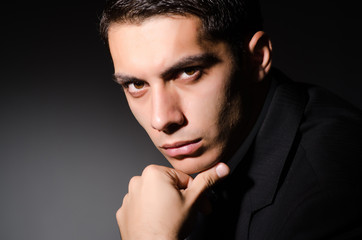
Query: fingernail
[(222, 170)]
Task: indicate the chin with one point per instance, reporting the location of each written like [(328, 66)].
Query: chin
[(192, 165)]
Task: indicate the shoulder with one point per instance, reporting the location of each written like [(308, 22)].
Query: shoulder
[(329, 125), (331, 133), (323, 178)]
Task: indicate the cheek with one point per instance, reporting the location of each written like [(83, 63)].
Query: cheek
[(140, 112), (142, 115), (204, 106)]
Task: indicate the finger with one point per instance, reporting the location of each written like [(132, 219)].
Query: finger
[(180, 179), (125, 199), (177, 178), (120, 210), (134, 183), (205, 180)]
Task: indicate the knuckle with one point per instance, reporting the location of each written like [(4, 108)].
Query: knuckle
[(133, 183), (124, 202), (150, 170), (119, 213)]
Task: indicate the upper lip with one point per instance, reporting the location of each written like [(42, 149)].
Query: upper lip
[(179, 144)]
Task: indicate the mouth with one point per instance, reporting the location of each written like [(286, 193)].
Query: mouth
[(182, 149)]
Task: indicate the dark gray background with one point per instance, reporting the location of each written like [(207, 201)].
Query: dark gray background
[(69, 144)]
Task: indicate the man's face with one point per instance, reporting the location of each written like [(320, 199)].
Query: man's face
[(178, 88)]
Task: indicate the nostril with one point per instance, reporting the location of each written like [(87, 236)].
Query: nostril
[(173, 127)]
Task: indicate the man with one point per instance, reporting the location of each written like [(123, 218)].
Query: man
[(274, 159)]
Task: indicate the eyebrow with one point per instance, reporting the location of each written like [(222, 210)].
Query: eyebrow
[(204, 59), (123, 78)]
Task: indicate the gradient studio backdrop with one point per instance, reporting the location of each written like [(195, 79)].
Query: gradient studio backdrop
[(69, 144)]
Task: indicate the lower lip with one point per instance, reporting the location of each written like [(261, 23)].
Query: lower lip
[(185, 150)]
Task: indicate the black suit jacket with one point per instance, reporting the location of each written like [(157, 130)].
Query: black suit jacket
[(302, 176)]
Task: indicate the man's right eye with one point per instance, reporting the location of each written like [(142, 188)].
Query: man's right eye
[(138, 85), (135, 88)]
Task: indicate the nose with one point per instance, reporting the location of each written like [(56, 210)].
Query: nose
[(167, 115)]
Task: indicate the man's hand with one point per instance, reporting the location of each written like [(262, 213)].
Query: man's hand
[(161, 203)]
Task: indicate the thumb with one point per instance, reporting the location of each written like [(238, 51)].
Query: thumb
[(205, 180)]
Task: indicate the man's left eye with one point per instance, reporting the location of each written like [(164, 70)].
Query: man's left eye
[(190, 73)]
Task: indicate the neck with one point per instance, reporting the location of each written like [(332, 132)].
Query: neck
[(253, 99)]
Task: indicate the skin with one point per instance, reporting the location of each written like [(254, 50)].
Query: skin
[(189, 95)]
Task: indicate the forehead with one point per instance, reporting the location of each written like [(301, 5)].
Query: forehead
[(155, 42), (157, 29), (190, 22)]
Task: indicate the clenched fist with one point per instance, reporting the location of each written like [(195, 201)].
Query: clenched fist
[(161, 203)]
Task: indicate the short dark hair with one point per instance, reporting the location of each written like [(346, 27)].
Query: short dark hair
[(225, 20)]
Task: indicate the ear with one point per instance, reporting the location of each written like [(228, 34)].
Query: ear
[(260, 50)]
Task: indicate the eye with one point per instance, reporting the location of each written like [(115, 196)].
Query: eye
[(190, 73), (138, 85), (135, 88)]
